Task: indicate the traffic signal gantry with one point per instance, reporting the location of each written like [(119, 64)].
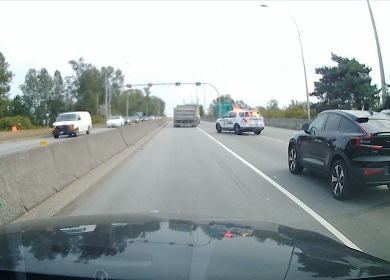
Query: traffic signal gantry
[(178, 84)]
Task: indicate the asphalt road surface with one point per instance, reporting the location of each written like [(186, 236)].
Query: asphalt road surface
[(20, 145), (199, 172)]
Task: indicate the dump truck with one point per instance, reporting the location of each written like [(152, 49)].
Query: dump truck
[(186, 115)]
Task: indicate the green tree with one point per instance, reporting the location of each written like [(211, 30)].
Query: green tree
[(157, 106), (345, 86), (89, 89), (273, 104), (115, 82), (147, 94), (17, 107), (5, 86), (56, 103), (32, 97), (5, 77), (201, 111)]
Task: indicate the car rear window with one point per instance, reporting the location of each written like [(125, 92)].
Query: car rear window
[(348, 126), (376, 125)]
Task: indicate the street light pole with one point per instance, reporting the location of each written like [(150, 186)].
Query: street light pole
[(378, 48), (303, 62), (105, 85), (304, 68)]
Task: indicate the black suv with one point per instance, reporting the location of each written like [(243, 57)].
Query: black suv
[(350, 147)]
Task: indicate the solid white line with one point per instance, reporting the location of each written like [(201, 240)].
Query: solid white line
[(296, 200)]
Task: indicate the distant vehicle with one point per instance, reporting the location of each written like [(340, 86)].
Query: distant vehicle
[(186, 115), (152, 118), (72, 124), (127, 120), (241, 121), (135, 119), (144, 118), (115, 121), (139, 114), (351, 147)]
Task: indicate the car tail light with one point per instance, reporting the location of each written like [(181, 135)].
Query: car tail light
[(371, 171), (364, 142), (53, 129)]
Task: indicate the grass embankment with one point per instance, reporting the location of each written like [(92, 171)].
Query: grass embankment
[(28, 133)]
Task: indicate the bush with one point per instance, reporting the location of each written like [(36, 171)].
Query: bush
[(98, 119), (20, 122)]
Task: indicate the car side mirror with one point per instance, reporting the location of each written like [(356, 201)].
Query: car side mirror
[(305, 127)]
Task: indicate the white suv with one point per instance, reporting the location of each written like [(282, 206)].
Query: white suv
[(241, 121)]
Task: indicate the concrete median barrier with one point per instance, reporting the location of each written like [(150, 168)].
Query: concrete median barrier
[(26, 180), (132, 133), (294, 124), (30, 177)]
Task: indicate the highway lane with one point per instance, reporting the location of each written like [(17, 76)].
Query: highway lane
[(182, 170), (362, 218), (20, 145)]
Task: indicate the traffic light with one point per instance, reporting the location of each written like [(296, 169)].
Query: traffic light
[(198, 83), (150, 85), (177, 84), (128, 85)]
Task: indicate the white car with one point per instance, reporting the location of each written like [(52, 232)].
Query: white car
[(241, 121), (72, 123), (115, 121)]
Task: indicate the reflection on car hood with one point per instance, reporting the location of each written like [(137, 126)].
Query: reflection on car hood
[(152, 246)]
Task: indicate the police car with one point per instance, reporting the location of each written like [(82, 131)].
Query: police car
[(241, 121)]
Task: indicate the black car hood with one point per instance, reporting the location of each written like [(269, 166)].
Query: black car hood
[(151, 246)]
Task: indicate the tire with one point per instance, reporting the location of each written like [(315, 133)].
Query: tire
[(293, 164), (218, 127), (56, 136), (339, 181), (237, 129), (89, 130), (76, 133), (257, 132)]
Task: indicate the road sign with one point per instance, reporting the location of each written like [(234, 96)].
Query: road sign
[(225, 107)]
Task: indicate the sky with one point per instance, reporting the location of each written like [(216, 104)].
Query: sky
[(243, 49)]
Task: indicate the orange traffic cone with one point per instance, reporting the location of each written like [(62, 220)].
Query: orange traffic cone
[(14, 128)]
